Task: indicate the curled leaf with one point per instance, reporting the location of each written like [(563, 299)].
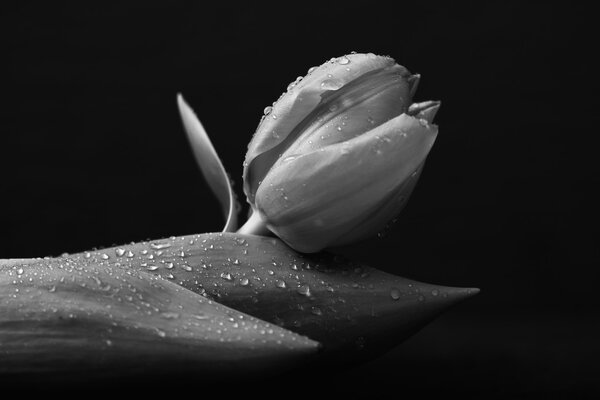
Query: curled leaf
[(67, 316), (346, 306), (210, 164)]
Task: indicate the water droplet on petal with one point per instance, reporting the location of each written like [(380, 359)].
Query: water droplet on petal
[(187, 268), (311, 69), (129, 254), (280, 284), (160, 333), (104, 256), (244, 282), (169, 265), (267, 110), (395, 294), (343, 60), (120, 252), (158, 246), (290, 158), (20, 271), (316, 311), (88, 254), (435, 292), (152, 268), (331, 84)]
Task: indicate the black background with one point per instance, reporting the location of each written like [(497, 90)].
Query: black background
[(93, 154)]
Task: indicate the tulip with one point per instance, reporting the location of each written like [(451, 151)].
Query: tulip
[(337, 156)]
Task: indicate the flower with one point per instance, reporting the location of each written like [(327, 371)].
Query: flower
[(337, 156)]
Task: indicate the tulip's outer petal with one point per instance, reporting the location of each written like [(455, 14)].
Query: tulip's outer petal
[(311, 201), (210, 164), (83, 315), (294, 105), (425, 110), (358, 107), (354, 310), (370, 222)]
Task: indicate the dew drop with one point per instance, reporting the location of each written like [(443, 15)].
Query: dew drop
[(152, 268), (316, 311), (160, 333), (395, 294), (226, 276), (170, 315), (244, 282), (304, 290), (159, 246), (331, 84), (129, 254), (311, 69), (169, 265), (104, 256), (20, 271), (421, 298), (280, 284), (120, 252), (267, 110), (435, 292), (343, 60), (187, 268), (88, 254)]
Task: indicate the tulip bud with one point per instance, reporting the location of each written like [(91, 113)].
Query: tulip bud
[(337, 156)]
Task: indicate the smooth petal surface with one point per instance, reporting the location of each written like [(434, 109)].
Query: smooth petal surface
[(313, 200), (425, 110), (210, 164), (294, 105), (356, 108), (82, 315), (354, 310)]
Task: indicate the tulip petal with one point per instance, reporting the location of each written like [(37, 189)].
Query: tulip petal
[(354, 310), (311, 201), (425, 110), (359, 106), (294, 105), (210, 164)]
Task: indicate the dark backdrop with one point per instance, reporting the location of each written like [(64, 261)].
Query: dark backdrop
[(93, 154)]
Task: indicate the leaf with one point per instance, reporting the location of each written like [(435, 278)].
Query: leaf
[(210, 164), (80, 316), (349, 308)]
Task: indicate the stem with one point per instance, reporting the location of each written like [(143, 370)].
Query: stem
[(254, 226)]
